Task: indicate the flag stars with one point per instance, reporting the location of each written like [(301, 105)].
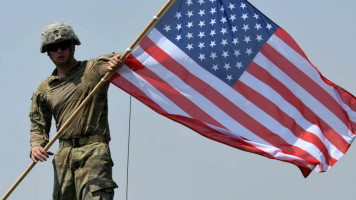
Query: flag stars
[(223, 31), (213, 56), (189, 46), (201, 2), (167, 28), (231, 6), (201, 24), (226, 36), (234, 29), (223, 20), (245, 27), (258, 26), (224, 42), (212, 22), (247, 39), (179, 37), (201, 13), (189, 2), (190, 24), (201, 34), (235, 41), (201, 57), (248, 51), (225, 54), (189, 35), (212, 44), (178, 15), (227, 66), (212, 11), (212, 33), (239, 65), (189, 13), (232, 18), (244, 16), (201, 45), (237, 53)]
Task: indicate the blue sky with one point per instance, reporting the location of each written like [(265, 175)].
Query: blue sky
[(167, 160)]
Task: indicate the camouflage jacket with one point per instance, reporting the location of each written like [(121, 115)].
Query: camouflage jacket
[(59, 97)]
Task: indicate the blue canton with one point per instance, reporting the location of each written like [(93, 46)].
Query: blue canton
[(222, 36)]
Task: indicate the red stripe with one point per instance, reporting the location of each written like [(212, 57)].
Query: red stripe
[(304, 81), (131, 89), (223, 103), (346, 97), (279, 115), (264, 76), (196, 125), (283, 35), (171, 93)]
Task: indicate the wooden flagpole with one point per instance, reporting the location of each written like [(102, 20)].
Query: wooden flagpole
[(91, 94)]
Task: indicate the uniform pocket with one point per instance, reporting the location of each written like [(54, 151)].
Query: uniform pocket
[(101, 184), (100, 189)]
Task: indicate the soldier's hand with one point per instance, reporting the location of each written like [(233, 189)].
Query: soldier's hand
[(39, 154), (114, 63)]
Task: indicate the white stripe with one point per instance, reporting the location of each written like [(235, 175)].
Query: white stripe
[(170, 107), (231, 94), (151, 91), (271, 150), (194, 96), (290, 110), (350, 112), (313, 104), (304, 65)]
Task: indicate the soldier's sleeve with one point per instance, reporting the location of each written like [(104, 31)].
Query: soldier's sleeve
[(40, 117), (99, 64)]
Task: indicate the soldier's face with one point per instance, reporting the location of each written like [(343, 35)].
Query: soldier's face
[(60, 55)]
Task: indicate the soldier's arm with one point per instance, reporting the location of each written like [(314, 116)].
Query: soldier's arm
[(40, 117)]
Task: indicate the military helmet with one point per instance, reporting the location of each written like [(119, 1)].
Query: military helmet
[(57, 32)]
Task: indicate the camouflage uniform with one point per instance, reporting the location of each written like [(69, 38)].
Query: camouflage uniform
[(82, 171)]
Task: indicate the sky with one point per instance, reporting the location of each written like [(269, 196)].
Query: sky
[(156, 158)]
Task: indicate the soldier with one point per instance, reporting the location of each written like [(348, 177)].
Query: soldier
[(82, 164)]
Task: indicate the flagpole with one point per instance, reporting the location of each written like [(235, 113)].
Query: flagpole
[(91, 94)]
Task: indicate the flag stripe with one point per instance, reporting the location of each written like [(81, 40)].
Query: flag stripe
[(283, 35), (131, 83), (138, 87), (172, 93), (300, 70), (307, 99), (288, 96), (267, 106), (270, 95), (185, 61), (248, 121)]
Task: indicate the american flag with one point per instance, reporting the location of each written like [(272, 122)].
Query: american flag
[(231, 74)]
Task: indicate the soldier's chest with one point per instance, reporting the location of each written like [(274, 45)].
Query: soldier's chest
[(68, 93)]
